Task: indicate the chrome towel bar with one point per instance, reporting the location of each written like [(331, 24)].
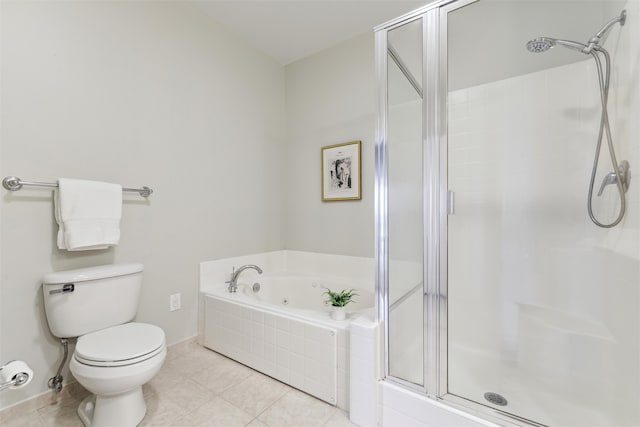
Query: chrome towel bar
[(13, 183)]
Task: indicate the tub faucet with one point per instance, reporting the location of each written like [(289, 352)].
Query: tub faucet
[(233, 281)]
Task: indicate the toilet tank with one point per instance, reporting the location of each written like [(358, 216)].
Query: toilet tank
[(88, 299)]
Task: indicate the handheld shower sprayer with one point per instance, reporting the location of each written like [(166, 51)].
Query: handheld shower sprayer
[(542, 44), (621, 175)]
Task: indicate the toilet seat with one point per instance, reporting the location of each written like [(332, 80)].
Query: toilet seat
[(120, 345)]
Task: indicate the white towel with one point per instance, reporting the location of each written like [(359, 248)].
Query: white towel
[(88, 214)]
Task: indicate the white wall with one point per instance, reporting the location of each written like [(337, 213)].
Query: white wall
[(330, 100), (139, 93)]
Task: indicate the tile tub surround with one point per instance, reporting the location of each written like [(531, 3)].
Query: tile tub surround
[(299, 353), (278, 358), (197, 387)]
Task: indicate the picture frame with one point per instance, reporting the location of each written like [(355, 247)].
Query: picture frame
[(341, 172)]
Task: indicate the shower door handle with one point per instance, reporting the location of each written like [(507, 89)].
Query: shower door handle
[(451, 202)]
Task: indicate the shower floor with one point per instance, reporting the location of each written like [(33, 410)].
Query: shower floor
[(473, 373)]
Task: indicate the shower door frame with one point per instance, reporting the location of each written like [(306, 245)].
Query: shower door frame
[(434, 195), (436, 207)]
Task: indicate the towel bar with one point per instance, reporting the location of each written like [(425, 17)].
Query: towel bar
[(13, 183)]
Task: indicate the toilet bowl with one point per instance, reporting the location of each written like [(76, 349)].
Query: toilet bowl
[(113, 364), (114, 357)]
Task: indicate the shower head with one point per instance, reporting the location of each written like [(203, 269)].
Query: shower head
[(542, 44)]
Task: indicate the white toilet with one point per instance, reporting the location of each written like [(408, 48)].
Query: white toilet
[(113, 358)]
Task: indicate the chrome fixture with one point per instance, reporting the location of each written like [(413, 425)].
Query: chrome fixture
[(495, 398), (55, 382), (13, 183), (68, 287), (542, 44), (18, 380), (233, 281), (621, 174)]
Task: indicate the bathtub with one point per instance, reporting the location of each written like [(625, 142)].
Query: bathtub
[(281, 326)]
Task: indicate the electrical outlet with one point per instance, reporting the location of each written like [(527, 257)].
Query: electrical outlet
[(174, 302)]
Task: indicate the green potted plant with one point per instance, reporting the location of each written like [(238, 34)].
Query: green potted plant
[(338, 302)]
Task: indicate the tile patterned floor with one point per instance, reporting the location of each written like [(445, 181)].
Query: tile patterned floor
[(198, 387)]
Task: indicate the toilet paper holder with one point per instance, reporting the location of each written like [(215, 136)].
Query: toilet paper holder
[(12, 378), (17, 380)]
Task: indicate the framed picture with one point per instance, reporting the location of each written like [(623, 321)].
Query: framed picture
[(341, 175)]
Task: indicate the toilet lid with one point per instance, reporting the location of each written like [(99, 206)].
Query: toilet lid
[(120, 345)]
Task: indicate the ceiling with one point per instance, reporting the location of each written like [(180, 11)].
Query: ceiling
[(288, 30)]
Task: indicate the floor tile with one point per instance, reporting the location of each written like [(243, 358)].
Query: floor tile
[(66, 416), (192, 361), (339, 419), (167, 378), (297, 409), (161, 411), (222, 374), (198, 387), (216, 413), (256, 423), (29, 420), (255, 393), (188, 395)]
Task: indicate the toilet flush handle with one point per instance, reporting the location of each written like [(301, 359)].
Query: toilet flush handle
[(65, 289)]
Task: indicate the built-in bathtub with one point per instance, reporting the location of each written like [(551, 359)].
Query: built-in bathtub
[(284, 328)]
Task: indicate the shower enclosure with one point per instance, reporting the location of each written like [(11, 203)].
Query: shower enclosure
[(508, 272)]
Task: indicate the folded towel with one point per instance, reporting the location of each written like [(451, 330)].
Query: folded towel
[(88, 214)]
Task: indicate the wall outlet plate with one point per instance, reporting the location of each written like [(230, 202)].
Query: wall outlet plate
[(174, 302)]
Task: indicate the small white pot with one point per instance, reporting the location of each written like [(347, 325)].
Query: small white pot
[(338, 313)]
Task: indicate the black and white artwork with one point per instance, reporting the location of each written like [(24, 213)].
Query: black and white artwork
[(341, 172)]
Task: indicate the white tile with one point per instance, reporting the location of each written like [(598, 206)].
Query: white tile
[(297, 329), (297, 364), (257, 316), (282, 324), (296, 344), (257, 331), (282, 357), (258, 349), (319, 371), (270, 353), (269, 320), (282, 339), (270, 335)]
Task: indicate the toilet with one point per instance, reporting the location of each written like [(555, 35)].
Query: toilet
[(114, 356)]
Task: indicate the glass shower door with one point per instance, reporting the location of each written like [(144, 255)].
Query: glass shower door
[(542, 305), (405, 212)]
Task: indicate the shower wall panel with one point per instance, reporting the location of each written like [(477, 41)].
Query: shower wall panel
[(542, 304)]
